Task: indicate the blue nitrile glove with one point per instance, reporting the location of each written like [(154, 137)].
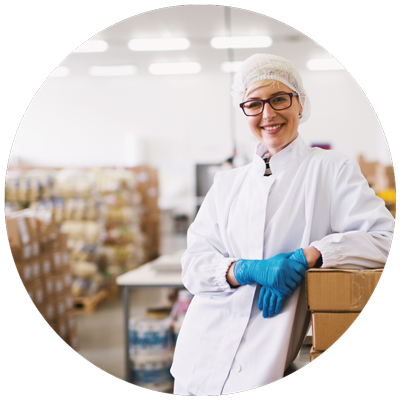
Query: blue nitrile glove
[(278, 272), (270, 302), (298, 256)]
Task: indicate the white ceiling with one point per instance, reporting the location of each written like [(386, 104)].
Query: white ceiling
[(199, 24)]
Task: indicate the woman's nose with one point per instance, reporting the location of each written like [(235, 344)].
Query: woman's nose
[(268, 112)]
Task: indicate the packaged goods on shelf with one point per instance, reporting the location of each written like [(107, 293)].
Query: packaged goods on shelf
[(74, 183), (26, 186), (335, 298), (109, 220), (87, 232), (381, 178)]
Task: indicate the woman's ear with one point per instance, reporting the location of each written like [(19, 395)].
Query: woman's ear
[(301, 108)]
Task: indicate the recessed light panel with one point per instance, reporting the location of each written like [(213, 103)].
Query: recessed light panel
[(159, 44), (241, 42), (175, 68), (112, 70)]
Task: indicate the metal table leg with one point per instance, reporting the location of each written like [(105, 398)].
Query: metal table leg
[(126, 298)]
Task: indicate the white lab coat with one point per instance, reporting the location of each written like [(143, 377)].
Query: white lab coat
[(314, 198)]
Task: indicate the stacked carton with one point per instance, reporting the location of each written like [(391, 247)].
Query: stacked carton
[(42, 261), (381, 178), (147, 186), (335, 298)]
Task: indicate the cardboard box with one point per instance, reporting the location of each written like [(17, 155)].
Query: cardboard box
[(71, 321), (46, 265), (53, 285), (65, 260), (67, 277), (29, 270), (23, 235), (58, 280), (60, 242), (314, 354), (69, 301), (329, 327), (60, 307), (19, 238), (73, 340), (49, 286), (36, 291), (57, 262), (347, 290), (36, 268), (48, 311), (48, 233), (53, 325), (62, 328)]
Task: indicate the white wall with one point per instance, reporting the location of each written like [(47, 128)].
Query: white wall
[(178, 122)]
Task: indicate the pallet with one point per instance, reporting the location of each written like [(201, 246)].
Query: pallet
[(89, 304), (113, 293)]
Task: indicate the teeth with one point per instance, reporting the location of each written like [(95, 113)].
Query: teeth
[(270, 128)]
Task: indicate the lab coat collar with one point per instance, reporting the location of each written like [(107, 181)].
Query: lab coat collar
[(296, 150)]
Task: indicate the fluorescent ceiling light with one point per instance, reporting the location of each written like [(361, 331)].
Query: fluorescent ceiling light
[(174, 68), (112, 70), (323, 64), (92, 46), (241, 42), (229, 66), (158, 44), (60, 72)]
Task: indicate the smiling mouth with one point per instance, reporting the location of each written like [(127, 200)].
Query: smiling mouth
[(272, 128)]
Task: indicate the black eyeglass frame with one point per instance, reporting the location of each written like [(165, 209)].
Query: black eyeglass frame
[(241, 105)]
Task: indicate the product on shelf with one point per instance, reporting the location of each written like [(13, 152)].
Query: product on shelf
[(110, 217)]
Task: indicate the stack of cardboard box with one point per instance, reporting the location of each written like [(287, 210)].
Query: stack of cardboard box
[(148, 188), (335, 298), (42, 260)]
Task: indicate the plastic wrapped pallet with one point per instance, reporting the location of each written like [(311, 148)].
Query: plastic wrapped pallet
[(151, 352)]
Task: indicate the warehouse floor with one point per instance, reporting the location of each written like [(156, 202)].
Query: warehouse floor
[(101, 334)]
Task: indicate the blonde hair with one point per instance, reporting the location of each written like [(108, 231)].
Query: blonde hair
[(257, 84)]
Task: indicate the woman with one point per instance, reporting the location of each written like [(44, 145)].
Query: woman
[(258, 230)]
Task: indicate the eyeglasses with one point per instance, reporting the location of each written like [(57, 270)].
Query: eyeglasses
[(278, 102)]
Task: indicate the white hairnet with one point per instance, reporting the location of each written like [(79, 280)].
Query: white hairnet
[(267, 66)]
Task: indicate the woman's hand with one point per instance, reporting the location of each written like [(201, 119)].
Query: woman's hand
[(279, 273), (311, 254), (270, 302)]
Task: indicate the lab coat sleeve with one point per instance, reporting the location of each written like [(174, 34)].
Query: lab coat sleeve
[(206, 261), (362, 226)]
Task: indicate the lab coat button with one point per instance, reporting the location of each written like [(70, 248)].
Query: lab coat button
[(237, 367)]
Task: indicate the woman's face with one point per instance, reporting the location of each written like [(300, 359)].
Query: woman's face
[(274, 129)]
